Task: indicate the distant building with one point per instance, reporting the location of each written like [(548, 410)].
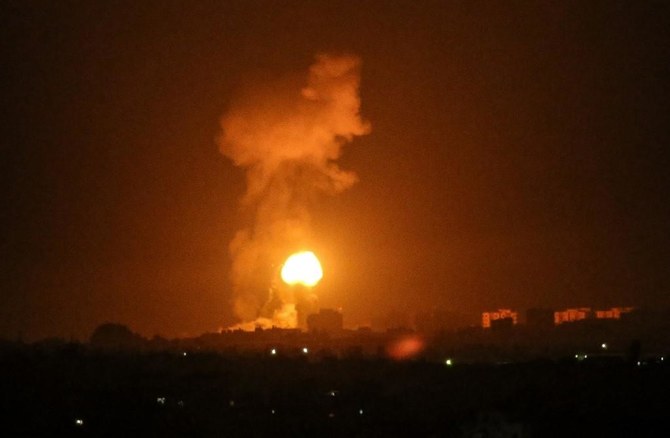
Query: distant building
[(540, 318), (582, 313), (571, 315), (489, 317), (613, 313), (328, 321)]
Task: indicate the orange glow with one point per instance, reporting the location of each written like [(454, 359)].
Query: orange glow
[(405, 348), (302, 268)]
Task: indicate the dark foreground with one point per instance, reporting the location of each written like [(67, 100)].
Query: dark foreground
[(74, 391)]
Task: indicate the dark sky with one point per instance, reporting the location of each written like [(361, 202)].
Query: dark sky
[(519, 157)]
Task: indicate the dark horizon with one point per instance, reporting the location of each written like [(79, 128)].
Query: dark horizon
[(518, 158)]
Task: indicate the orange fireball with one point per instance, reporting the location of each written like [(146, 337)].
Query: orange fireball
[(302, 268)]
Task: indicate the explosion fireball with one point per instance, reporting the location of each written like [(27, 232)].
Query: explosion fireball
[(302, 268), (287, 135)]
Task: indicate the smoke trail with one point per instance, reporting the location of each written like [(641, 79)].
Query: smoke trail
[(287, 137)]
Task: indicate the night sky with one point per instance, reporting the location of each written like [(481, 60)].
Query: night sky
[(518, 157)]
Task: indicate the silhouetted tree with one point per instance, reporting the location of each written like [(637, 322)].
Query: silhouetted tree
[(115, 336)]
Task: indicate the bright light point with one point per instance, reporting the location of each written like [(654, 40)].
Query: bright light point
[(273, 351), (272, 411), (603, 346), (160, 400), (360, 412), (661, 358), (184, 354), (79, 422), (302, 268), (639, 363), (448, 362), (305, 350)]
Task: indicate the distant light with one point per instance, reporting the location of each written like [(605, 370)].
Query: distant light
[(576, 356), (160, 400), (273, 351), (332, 393), (331, 415), (184, 354), (586, 356), (181, 403), (79, 422), (360, 412), (448, 362), (661, 358), (603, 346), (305, 350), (231, 403), (639, 363), (272, 411)]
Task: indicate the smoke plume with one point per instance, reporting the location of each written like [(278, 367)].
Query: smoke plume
[(287, 135)]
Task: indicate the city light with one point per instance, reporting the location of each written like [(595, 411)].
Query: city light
[(79, 422), (273, 351), (160, 400), (603, 346), (360, 412), (448, 362), (305, 350)]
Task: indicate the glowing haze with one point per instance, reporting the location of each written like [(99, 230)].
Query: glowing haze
[(287, 135)]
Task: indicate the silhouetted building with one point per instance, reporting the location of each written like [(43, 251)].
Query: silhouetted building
[(328, 321), (540, 318), (438, 320), (502, 324), (489, 317)]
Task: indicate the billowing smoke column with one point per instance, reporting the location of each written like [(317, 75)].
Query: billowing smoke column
[(287, 136)]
